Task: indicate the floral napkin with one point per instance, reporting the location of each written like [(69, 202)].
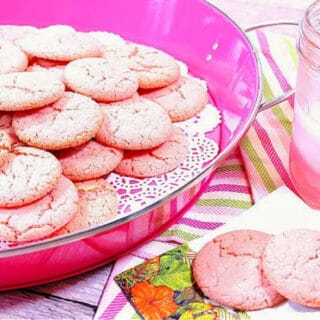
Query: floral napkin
[(163, 287)]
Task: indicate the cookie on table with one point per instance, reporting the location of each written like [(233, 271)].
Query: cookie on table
[(182, 99), (155, 68), (27, 175), (88, 161), (69, 122), (228, 270), (291, 262), (28, 90), (60, 45), (101, 80), (98, 204), (12, 59), (41, 218), (5, 146), (156, 161), (134, 124)]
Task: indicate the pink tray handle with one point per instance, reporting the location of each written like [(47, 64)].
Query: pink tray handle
[(286, 95)]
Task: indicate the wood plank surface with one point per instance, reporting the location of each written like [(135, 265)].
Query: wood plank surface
[(78, 297)]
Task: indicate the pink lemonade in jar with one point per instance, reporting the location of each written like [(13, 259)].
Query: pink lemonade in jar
[(305, 153), (304, 156)]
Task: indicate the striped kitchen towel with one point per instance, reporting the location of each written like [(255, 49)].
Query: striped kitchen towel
[(256, 168)]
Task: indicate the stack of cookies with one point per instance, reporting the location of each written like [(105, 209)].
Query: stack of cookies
[(74, 107), (253, 270)]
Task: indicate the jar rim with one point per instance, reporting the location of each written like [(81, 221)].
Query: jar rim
[(312, 11)]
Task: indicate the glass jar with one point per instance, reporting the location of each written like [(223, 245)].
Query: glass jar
[(304, 156)]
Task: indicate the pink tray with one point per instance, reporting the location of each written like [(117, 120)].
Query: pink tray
[(214, 48)]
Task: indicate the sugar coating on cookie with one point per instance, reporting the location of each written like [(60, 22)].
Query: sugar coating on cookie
[(182, 99), (55, 71), (6, 125), (12, 59), (101, 80), (28, 90), (291, 262), (88, 161), (69, 122), (134, 124), (41, 218), (55, 68), (5, 146), (98, 203), (27, 175), (61, 46), (114, 46), (228, 270), (155, 68), (13, 33), (156, 161)]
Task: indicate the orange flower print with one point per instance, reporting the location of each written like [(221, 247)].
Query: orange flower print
[(154, 303)]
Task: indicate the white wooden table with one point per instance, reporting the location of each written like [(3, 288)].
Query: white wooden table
[(78, 297)]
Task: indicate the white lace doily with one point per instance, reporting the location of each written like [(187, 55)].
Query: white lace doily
[(135, 194)]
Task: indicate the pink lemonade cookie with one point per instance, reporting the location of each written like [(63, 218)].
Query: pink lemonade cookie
[(27, 175), (88, 161), (101, 80), (291, 262), (12, 59), (182, 99), (41, 218), (134, 124), (55, 68), (61, 45), (228, 270), (6, 125), (72, 120), (114, 46), (98, 204), (156, 161), (56, 71), (28, 90), (13, 33), (5, 146), (155, 68)]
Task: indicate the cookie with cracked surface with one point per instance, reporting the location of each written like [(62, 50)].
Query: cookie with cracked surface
[(89, 161), (6, 125), (114, 46), (228, 270), (28, 90), (134, 124), (156, 161), (13, 33), (12, 59), (27, 175), (182, 99), (98, 203), (61, 46), (41, 218), (56, 68), (155, 68), (69, 122), (101, 80), (5, 146), (291, 262), (55, 71)]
